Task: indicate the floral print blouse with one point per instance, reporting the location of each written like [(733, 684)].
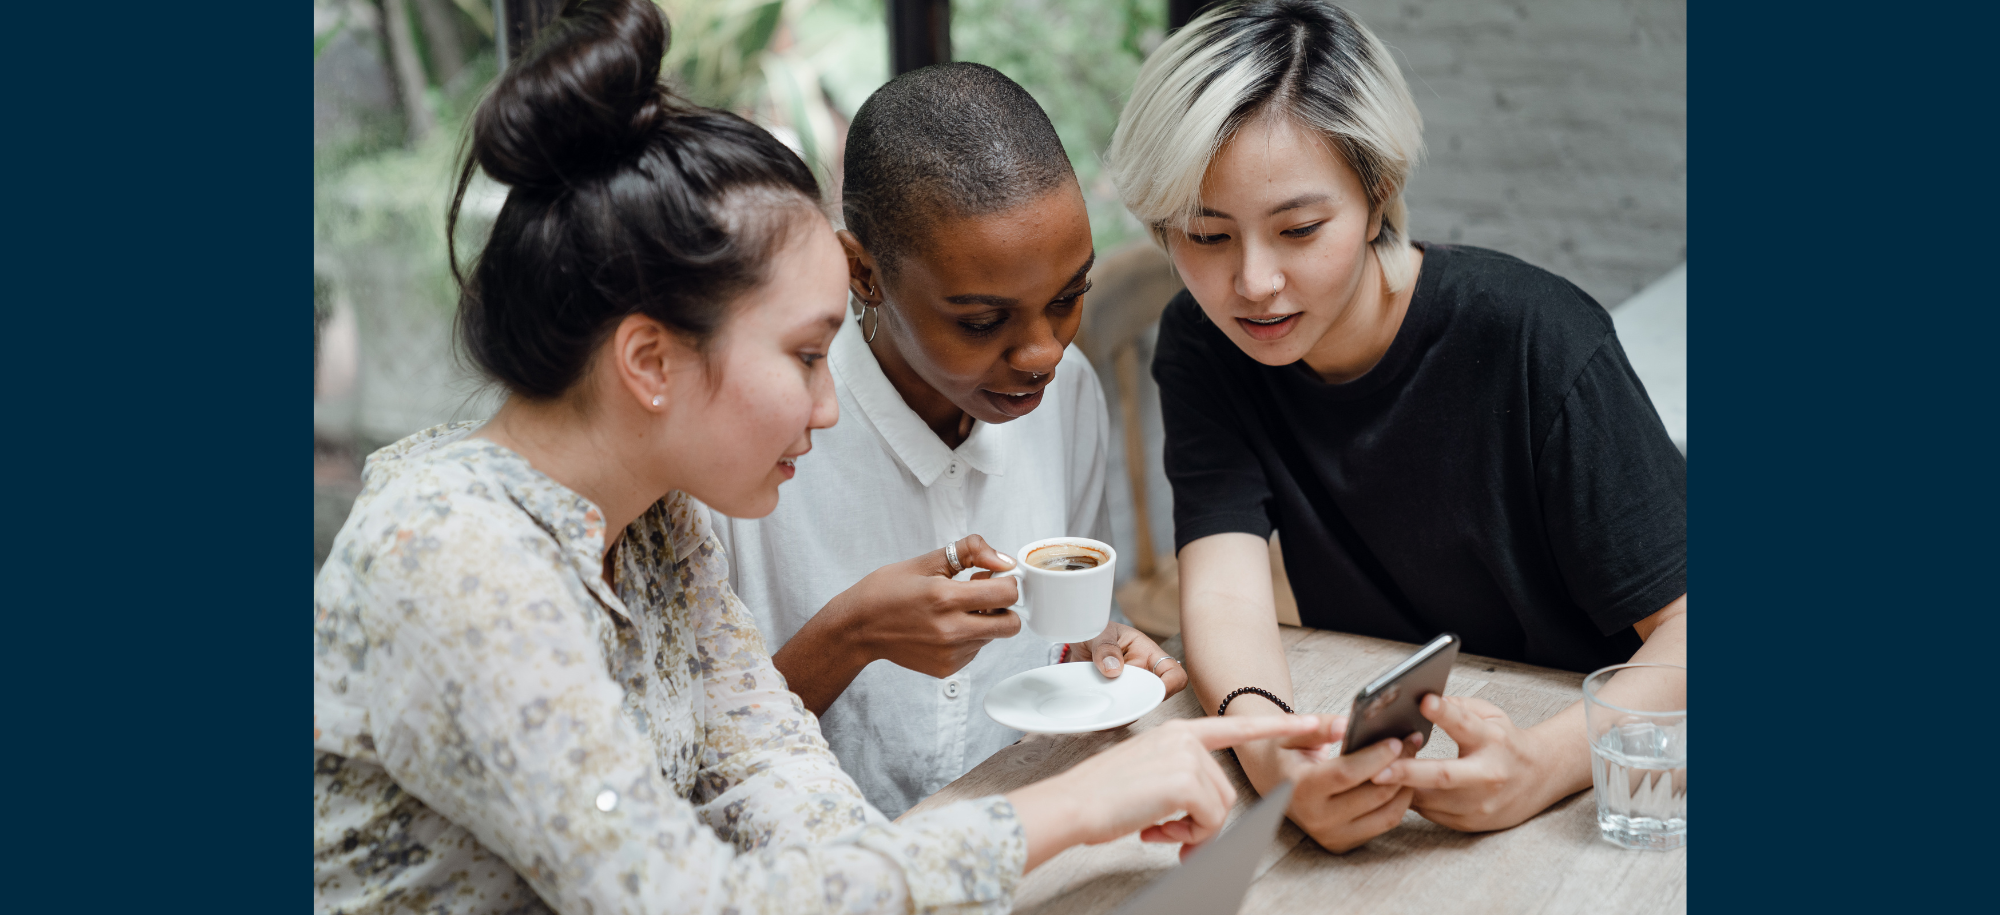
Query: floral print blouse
[(497, 729)]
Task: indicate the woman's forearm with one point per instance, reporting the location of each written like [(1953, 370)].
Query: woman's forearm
[(1665, 632), (1564, 740), (1230, 629), (1228, 622), (1049, 818)]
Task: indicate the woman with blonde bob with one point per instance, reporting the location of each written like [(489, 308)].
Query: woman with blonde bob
[(1450, 439)]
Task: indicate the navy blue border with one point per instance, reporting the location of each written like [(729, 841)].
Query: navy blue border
[(1843, 500), (1842, 196), (154, 307)]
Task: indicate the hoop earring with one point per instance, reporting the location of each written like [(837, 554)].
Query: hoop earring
[(868, 310)]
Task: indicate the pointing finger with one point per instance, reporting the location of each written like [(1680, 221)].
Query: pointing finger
[(1330, 730), (1217, 733)]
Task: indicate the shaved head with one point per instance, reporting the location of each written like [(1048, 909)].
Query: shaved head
[(951, 140)]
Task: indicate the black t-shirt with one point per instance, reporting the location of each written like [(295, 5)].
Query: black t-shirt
[(1500, 473)]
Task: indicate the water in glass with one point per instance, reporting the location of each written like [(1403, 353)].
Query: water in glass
[(1639, 769)]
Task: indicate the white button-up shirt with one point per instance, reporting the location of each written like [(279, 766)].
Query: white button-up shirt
[(881, 487)]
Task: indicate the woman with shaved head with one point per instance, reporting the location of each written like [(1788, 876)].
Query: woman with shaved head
[(972, 421)]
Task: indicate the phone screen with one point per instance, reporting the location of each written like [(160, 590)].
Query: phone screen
[(1390, 705)]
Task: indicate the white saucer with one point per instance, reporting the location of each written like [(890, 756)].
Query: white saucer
[(1073, 698)]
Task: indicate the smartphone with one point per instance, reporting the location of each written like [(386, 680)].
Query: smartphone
[(1389, 705)]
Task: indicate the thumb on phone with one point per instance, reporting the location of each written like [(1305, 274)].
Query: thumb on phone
[(1332, 728)]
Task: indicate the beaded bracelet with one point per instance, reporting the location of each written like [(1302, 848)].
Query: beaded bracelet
[(1251, 689)]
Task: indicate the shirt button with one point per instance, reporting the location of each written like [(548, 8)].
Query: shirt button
[(951, 689), (952, 471)]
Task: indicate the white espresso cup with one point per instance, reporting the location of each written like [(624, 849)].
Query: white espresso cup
[(1064, 604)]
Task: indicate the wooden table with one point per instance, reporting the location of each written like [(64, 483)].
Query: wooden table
[(1555, 862)]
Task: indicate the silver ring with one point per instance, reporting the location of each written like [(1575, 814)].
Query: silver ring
[(1165, 657), (951, 556)]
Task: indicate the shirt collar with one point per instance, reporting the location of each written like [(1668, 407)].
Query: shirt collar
[(574, 521), (913, 442)]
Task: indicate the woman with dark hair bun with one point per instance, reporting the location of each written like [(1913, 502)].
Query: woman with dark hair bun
[(533, 689)]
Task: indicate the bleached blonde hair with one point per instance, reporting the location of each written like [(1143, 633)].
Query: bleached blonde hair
[(1307, 61)]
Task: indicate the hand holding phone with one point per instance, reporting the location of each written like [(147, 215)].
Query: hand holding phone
[(1389, 706)]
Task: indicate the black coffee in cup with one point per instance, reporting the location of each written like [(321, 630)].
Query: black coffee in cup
[(1066, 557)]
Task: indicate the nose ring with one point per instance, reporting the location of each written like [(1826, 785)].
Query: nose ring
[(1277, 282)]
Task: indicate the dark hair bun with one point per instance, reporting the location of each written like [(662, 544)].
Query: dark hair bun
[(626, 200), (582, 99)]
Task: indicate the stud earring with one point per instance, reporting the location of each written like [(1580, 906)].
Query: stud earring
[(659, 400)]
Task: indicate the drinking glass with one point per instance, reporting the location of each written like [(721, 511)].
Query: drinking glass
[(1636, 716)]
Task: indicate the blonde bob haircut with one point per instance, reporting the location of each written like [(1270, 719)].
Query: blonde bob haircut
[(1304, 60)]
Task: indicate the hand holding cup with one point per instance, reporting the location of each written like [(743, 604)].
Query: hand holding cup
[(1065, 587)]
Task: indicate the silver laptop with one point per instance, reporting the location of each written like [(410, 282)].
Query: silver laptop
[(1214, 880)]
